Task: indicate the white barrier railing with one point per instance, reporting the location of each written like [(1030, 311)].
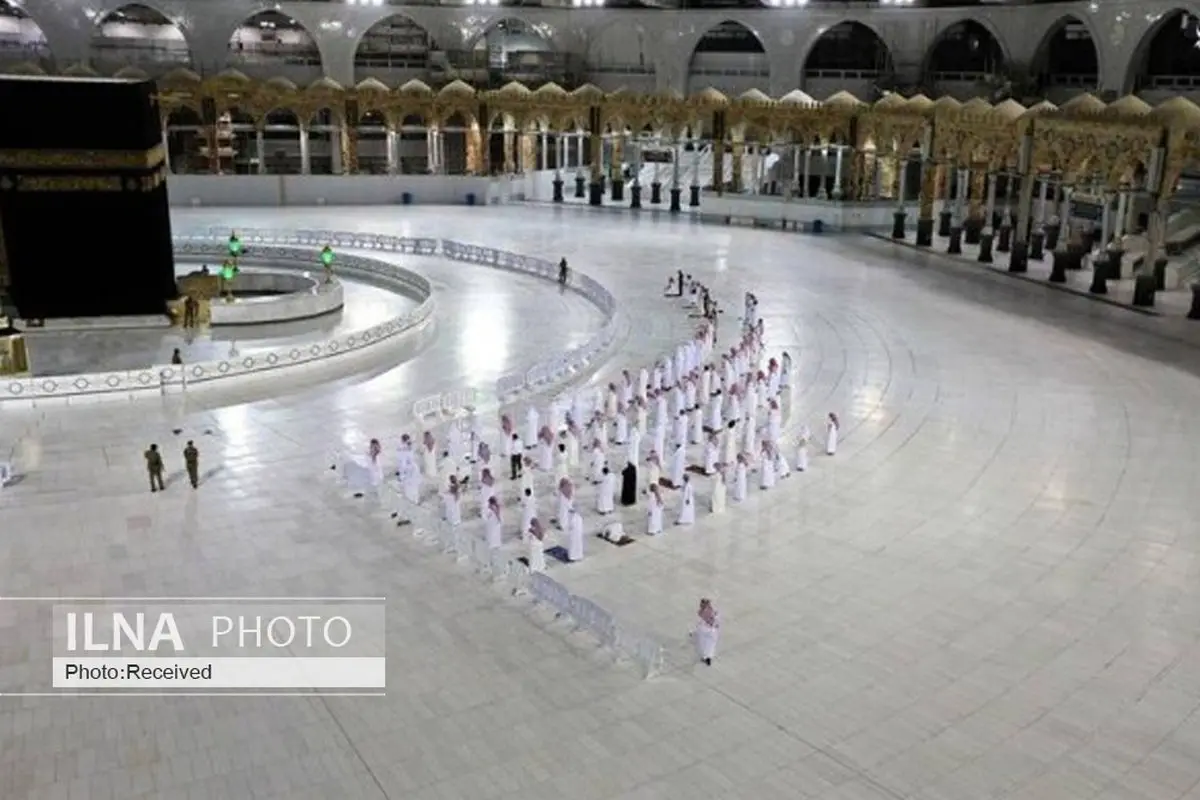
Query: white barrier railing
[(510, 574), (170, 378)]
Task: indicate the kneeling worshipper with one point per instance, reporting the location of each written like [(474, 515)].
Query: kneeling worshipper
[(605, 491), (654, 512), (365, 474), (708, 630), (802, 448), (492, 523), (566, 493), (832, 427), (528, 511), (687, 503), (766, 468), (717, 501), (739, 479), (537, 546), (452, 503), (575, 536), (629, 484)]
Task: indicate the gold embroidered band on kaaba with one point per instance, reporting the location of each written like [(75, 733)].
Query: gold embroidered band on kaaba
[(83, 183), (83, 159)]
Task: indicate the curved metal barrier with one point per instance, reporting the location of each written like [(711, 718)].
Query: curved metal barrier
[(170, 378)]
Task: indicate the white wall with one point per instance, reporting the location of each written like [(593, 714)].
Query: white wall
[(133, 30), (312, 190), (24, 31)]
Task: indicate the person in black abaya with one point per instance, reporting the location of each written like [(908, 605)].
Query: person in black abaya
[(629, 485)]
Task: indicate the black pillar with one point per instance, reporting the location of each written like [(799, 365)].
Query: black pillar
[(1037, 246), (944, 222), (635, 196), (1004, 241), (558, 190), (898, 219), (1160, 274), (1052, 232), (676, 193), (972, 230), (985, 248), (1143, 291), (1194, 312), (580, 183), (694, 196), (656, 193), (955, 246), (595, 193), (1058, 272), (925, 232), (1099, 275), (618, 191)]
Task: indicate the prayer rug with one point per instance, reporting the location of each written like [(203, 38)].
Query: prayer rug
[(624, 540)]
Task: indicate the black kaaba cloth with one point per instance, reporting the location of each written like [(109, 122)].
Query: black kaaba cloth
[(85, 227)]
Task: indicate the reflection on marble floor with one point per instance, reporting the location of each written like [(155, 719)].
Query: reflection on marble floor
[(991, 591)]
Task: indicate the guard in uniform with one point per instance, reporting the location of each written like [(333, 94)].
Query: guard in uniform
[(191, 460), (154, 466)]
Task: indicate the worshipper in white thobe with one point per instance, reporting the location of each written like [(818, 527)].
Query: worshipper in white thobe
[(447, 469), (483, 459), (407, 471), (566, 492), (689, 391), (643, 383), (606, 492), (571, 436), (487, 491), (750, 442), (678, 466), (716, 503), (575, 536), (454, 442), (633, 448), (641, 416), (687, 503), (711, 455), (452, 503), (653, 470), (785, 371), (734, 413), (706, 383), (611, 400), (750, 406), (832, 428), (802, 441), (696, 423), (774, 422), (766, 467), (528, 511), (596, 467), (492, 524), (708, 631), (654, 512), (365, 474), (527, 475), (678, 400), (730, 436), (531, 427), (715, 421), (429, 456), (562, 463), (660, 439), (680, 433), (621, 434), (662, 414), (782, 468), (740, 471), (545, 452), (626, 387), (537, 546)]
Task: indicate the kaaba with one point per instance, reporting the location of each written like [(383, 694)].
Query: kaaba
[(85, 228)]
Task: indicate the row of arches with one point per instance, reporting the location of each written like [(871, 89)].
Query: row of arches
[(729, 56)]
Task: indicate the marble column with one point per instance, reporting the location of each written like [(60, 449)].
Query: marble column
[(336, 164), (1004, 235), (900, 216), (694, 189), (1064, 255), (557, 185), (956, 214), (260, 150), (1038, 239), (807, 172), (305, 154), (837, 172), (676, 190), (1018, 259), (389, 146), (1116, 246), (927, 193), (1100, 272), (635, 191), (988, 233), (977, 181)]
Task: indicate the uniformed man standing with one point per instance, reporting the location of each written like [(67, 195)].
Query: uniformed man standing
[(191, 459), (154, 466)]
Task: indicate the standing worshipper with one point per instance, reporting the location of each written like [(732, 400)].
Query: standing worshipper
[(717, 501), (487, 492), (565, 496), (740, 471), (633, 449), (531, 427), (766, 468), (597, 467), (802, 448), (696, 422), (492, 524), (604, 492), (537, 546), (429, 456), (653, 470), (712, 454), (708, 630), (528, 511), (687, 503), (408, 473), (629, 484), (575, 536), (785, 371), (564, 273), (452, 503), (832, 427), (562, 462), (678, 466), (546, 451), (654, 512), (516, 452), (782, 470), (621, 432)]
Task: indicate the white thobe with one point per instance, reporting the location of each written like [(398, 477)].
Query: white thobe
[(531, 427), (537, 555), (782, 470), (491, 527), (774, 425), (429, 462), (680, 434), (610, 404), (528, 513), (643, 382), (545, 457), (678, 400), (678, 465), (653, 474), (627, 392), (486, 493), (831, 439), (597, 465), (526, 480), (706, 384), (668, 373), (687, 505), (604, 493), (715, 420), (633, 450), (717, 501), (562, 465), (689, 395), (660, 410), (622, 432), (564, 509), (735, 408), (748, 437), (739, 483), (654, 516), (660, 440), (451, 509), (656, 382), (696, 418), (643, 415), (730, 440), (710, 458), (802, 454), (575, 538), (572, 450), (766, 474), (751, 405), (706, 637)]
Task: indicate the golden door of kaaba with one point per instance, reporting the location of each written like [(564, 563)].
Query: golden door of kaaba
[(85, 226)]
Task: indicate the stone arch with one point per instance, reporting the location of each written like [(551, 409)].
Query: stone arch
[(32, 44), (1068, 50), (1158, 61), (993, 50), (528, 53), (736, 42), (139, 34), (510, 17), (853, 32), (258, 33), (376, 49)]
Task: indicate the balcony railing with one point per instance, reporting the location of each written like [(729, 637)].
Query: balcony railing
[(300, 55), (843, 74), (130, 50)]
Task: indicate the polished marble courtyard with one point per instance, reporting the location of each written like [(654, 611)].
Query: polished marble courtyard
[(989, 592)]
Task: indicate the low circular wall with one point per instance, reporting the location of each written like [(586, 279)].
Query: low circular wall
[(287, 296)]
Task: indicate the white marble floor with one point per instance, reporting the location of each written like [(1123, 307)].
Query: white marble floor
[(989, 592)]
